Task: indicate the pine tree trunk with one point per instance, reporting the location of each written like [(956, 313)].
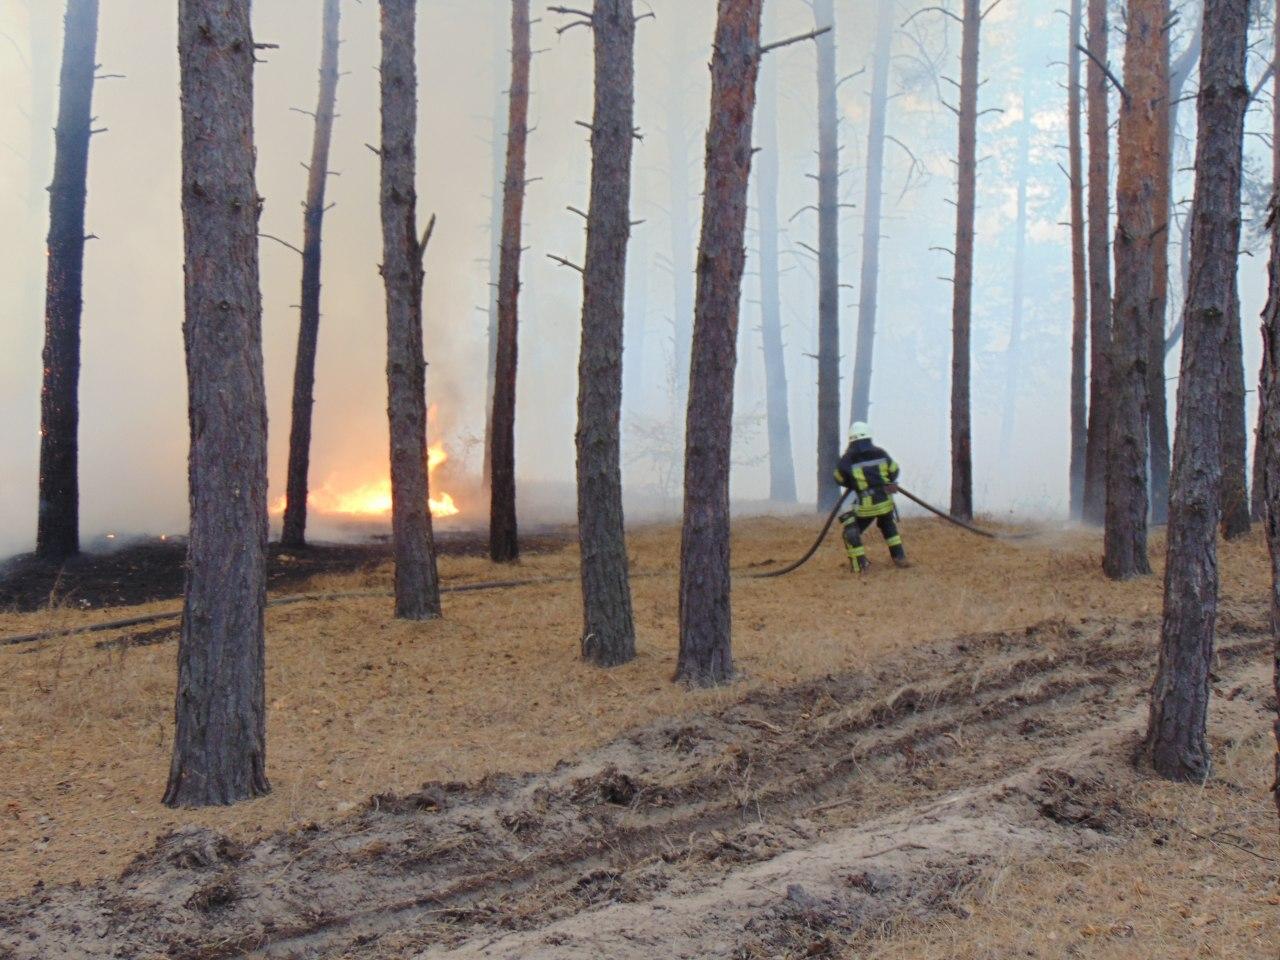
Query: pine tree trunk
[(1157, 391), (1269, 447), (1013, 354), (782, 471), (58, 517), (1140, 217), (219, 744), (417, 583), (706, 657), (504, 544), (872, 209), (608, 634), (1079, 273), (1235, 494), (829, 445), (1095, 470), (294, 533), (1258, 492), (1268, 453), (1180, 698), (962, 302)]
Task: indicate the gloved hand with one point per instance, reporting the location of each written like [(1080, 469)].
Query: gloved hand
[(891, 487)]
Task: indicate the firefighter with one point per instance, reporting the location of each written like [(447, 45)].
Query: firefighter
[(872, 475)]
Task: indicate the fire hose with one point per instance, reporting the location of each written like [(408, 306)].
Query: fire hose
[(169, 615), (831, 517)]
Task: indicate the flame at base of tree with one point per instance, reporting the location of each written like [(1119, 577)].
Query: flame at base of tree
[(373, 499)]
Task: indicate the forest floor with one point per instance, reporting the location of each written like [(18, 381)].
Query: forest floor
[(931, 763)]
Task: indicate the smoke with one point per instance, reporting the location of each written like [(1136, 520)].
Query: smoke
[(133, 435)]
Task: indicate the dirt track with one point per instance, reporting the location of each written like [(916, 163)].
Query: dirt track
[(823, 807)]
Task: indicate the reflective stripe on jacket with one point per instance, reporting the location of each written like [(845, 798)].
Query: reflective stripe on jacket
[(868, 470)]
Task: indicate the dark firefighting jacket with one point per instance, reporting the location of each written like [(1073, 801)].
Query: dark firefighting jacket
[(868, 471)]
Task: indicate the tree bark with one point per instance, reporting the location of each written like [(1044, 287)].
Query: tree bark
[(1079, 272), (1179, 75), (294, 533), (608, 633), (1157, 389), (782, 471), (504, 544), (872, 208), (1141, 217), (1095, 475), (219, 745), (1236, 520), (1236, 507), (1180, 697), (1258, 493), (58, 516), (829, 445), (1268, 453), (417, 584), (706, 656), (962, 297)]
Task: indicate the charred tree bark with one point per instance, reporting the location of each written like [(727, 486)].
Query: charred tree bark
[(782, 471), (829, 445), (1141, 217), (869, 282), (962, 297), (1268, 453), (294, 533), (608, 633), (1236, 521), (1180, 698), (504, 544), (706, 656), (417, 583), (58, 517), (219, 743), (1099, 200), (1079, 273)]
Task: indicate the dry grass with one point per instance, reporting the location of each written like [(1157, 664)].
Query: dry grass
[(361, 703), (1183, 888)]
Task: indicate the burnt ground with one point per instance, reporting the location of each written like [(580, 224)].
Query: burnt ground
[(149, 569), (789, 824)]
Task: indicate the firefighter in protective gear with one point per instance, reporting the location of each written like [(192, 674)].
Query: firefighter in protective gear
[(872, 475)]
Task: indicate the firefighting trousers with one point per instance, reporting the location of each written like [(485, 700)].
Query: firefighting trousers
[(855, 527)]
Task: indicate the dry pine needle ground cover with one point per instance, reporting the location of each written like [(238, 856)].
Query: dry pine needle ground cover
[(361, 704)]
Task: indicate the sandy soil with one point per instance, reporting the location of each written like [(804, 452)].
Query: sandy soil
[(851, 717)]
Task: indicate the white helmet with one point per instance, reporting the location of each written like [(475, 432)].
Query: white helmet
[(859, 431)]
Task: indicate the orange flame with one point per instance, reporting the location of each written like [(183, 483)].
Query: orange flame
[(373, 500)]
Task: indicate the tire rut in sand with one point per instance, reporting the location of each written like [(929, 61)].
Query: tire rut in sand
[(689, 799)]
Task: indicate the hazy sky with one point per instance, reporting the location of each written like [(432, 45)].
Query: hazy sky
[(133, 395)]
